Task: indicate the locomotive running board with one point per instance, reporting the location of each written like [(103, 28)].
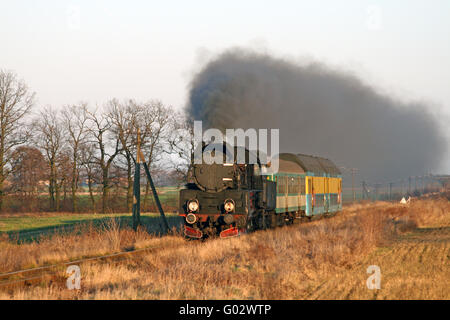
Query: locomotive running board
[(232, 232), (192, 233)]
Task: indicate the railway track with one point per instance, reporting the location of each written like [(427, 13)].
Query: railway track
[(56, 271)]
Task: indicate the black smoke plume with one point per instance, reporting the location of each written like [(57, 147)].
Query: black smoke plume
[(319, 111)]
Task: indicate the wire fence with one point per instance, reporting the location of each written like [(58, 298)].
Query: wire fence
[(390, 191)]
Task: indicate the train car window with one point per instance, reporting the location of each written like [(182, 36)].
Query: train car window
[(281, 185), (291, 185), (302, 185)]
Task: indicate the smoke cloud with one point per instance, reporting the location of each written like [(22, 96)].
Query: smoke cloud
[(319, 111)]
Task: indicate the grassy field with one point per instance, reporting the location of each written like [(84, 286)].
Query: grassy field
[(323, 259), (31, 222), (413, 266), (32, 227)]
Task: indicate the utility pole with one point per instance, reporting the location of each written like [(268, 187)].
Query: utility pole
[(137, 185), (155, 195), (365, 192), (137, 190)]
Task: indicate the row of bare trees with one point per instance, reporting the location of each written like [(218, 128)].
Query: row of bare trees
[(60, 148)]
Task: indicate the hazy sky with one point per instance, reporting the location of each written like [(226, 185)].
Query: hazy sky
[(69, 51)]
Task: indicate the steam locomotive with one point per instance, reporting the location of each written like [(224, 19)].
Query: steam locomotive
[(242, 196)]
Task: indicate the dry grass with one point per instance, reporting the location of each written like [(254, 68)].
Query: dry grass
[(324, 259), (84, 241)]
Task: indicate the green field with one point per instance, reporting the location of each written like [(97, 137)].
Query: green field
[(117, 201), (32, 227)]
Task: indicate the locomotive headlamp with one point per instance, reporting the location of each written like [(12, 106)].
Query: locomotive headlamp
[(191, 218), (193, 205), (229, 205)]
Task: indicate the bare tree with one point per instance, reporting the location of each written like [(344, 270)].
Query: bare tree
[(15, 102), (123, 117), (64, 175), (75, 120), (108, 147), (49, 136), (28, 169), (182, 144), (154, 123), (88, 162)]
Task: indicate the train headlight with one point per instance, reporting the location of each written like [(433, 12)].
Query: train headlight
[(191, 218), (229, 205), (193, 205)]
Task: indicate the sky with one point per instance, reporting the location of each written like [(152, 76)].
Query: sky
[(71, 51)]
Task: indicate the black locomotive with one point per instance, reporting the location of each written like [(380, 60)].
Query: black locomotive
[(226, 199)]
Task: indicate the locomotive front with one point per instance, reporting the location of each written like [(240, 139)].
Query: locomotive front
[(221, 199)]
